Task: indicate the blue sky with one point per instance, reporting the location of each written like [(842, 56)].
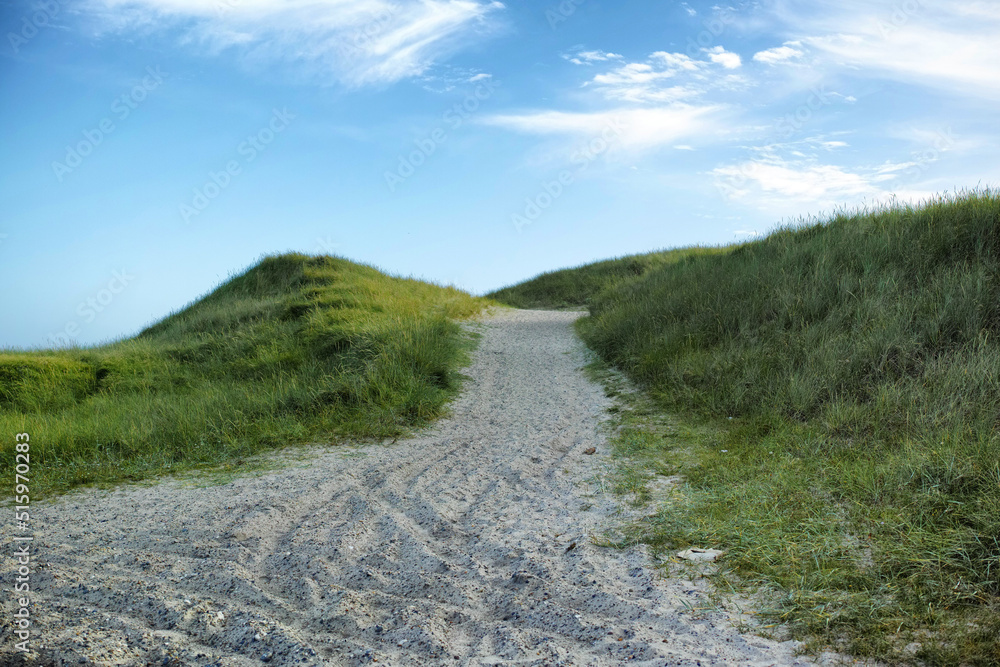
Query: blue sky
[(153, 147)]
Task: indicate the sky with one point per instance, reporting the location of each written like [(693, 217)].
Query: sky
[(154, 148)]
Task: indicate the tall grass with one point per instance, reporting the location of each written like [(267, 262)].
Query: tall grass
[(835, 399), (294, 349), (575, 287)]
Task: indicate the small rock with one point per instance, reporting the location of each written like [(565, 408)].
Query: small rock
[(700, 555)]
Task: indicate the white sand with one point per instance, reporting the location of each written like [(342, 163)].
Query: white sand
[(451, 548)]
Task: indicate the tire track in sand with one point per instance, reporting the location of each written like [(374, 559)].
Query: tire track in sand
[(449, 548)]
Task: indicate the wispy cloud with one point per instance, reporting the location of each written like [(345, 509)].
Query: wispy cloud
[(641, 82), (796, 182), (947, 46), (657, 102), (357, 42), (666, 77), (638, 129)]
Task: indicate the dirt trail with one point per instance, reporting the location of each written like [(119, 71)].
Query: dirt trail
[(452, 548)]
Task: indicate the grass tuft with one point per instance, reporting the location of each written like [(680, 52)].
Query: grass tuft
[(295, 349)]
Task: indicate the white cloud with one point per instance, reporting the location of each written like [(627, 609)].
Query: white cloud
[(635, 129), (640, 82), (357, 42), (632, 73), (804, 184), (658, 110), (778, 54), (794, 181), (948, 46), (727, 59), (665, 78), (675, 61), (590, 57)]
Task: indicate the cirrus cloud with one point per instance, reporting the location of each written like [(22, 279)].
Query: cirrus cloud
[(356, 42), (945, 46)]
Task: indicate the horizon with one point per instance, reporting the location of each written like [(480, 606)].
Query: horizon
[(163, 146)]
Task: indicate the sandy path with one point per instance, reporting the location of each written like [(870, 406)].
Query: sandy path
[(451, 548)]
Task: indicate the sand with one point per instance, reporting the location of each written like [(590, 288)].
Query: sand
[(468, 545)]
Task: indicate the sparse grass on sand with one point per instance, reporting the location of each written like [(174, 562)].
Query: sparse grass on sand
[(296, 349), (830, 395)]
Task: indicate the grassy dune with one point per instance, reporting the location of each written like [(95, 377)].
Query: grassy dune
[(831, 395), (575, 287), (296, 348)]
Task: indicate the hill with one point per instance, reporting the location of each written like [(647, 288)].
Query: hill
[(831, 396), (294, 349), (577, 286)]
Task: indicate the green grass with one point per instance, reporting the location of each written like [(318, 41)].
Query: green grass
[(576, 287), (296, 349), (831, 396)]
